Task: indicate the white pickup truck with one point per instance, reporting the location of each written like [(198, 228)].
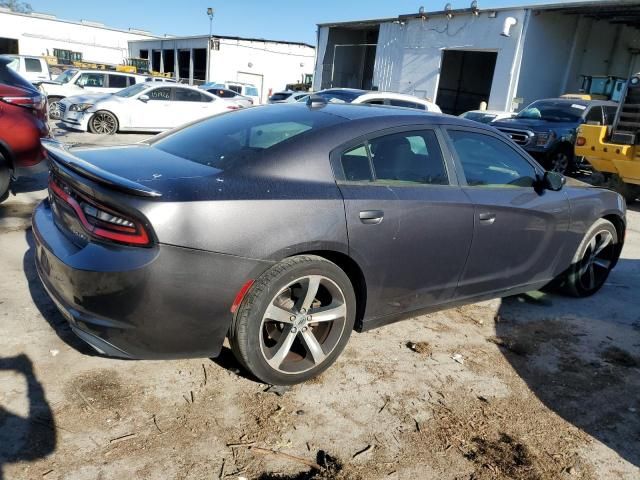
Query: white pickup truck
[(34, 69), (75, 82)]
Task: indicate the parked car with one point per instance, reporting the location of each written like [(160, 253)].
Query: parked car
[(240, 100), (144, 107), (357, 96), (22, 123), (32, 68), (287, 96), (547, 128), (487, 116), (245, 89), (160, 79), (74, 82), (397, 100), (286, 228)]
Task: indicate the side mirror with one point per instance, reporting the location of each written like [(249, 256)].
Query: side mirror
[(144, 98), (553, 181)]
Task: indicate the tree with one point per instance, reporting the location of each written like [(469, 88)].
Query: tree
[(16, 6)]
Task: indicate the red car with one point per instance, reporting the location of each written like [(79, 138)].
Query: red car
[(22, 123)]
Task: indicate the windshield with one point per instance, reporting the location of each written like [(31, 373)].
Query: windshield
[(14, 62), (553, 111), (241, 137), (66, 76), (132, 90)]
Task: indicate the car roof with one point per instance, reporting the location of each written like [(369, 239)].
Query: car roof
[(395, 95), (585, 103)]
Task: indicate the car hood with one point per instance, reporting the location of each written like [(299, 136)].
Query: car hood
[(532, 124), (87, 98)]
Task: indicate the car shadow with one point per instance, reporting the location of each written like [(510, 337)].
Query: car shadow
[(32, 183), (45, 305), (25, 439), (581, 357)]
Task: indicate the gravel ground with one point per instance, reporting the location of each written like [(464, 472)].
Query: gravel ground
[(530, 387)]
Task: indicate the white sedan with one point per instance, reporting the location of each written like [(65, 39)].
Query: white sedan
[(144, 107)]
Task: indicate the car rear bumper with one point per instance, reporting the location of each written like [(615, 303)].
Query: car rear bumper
[(151, 303)]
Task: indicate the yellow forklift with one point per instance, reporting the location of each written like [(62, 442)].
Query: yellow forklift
[(614, 150)]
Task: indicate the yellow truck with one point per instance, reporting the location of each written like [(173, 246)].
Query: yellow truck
[(614, 150)]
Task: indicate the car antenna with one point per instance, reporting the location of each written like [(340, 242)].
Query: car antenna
[(316, 101)]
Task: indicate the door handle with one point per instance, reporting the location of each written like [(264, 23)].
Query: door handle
[(487, 218), (371, 217)]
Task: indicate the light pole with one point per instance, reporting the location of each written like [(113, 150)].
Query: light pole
[(210, 14)]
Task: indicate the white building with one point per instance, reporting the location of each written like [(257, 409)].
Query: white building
[(268, 64), (460, 58), (43, 34)]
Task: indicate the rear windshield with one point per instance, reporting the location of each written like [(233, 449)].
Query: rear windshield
[(241, 136), (11, 78)]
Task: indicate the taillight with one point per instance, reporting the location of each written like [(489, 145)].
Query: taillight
[(581, 141), (100, 221), (36, 102)]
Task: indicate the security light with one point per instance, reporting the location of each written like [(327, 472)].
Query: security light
[(210, 12)]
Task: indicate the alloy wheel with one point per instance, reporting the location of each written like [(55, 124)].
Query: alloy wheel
[(104, 123), (55, 113), (597, 261), (303, 324), (560, 162)]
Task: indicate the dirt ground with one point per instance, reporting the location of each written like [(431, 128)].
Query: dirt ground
[(530, 387)]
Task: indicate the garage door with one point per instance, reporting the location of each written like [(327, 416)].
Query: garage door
[(254, 79)]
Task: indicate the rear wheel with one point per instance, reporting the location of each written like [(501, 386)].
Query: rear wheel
[(5, 179), (55, 111), (295, 321), (593, 261), (104, 123)]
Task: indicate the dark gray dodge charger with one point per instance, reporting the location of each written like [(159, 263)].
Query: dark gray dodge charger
[(285, 227)]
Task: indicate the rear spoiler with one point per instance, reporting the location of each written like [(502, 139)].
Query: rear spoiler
[(59, 153)]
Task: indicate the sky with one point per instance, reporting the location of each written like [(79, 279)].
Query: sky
[(272, 19)]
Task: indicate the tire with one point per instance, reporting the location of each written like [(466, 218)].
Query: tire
[(561, 161), (629, 191), (278, 347), (588, 272), (104, 123), (5, 179), (54, 108)]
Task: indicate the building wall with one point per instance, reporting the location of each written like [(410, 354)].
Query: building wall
[(409, 56), (547, 55), (276, 64), (39, 36)]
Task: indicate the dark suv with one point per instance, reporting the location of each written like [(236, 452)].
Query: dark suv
[(23, 111), (547, 128)]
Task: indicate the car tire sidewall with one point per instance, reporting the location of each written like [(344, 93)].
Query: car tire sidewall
[(51, 101), (572, 284), (245, 337), (5, 179), (90, 124)]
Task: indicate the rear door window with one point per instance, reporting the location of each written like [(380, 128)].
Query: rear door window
[(187, 95), (406, 104), (32, 65), (117, 81), (356, 165)]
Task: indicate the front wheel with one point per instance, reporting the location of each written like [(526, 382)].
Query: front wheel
[(295, 321), (104, 123), (55, 108), (596, 255), (562, 162)]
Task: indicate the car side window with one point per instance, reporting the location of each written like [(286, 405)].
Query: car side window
[(594, 117), (131, 81), (32, 65), (355, 164), (117, 81), (160, 94), (377, 101), (91, 80), (404, 103), (186, 95), (490, 162)]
